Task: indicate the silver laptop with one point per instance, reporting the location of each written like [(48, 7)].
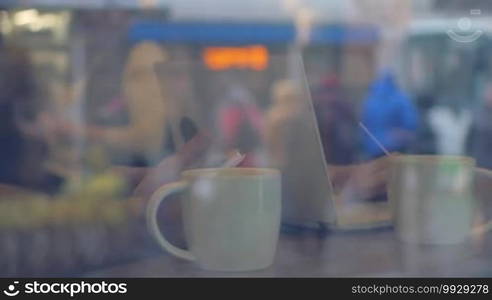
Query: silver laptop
[(309, 198)]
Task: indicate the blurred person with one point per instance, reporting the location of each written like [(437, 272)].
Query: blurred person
[(480, 135), (146, 139), (106, 43), (336, 121), (240, 123), (25, 128), (451, 125), (155, 157), (287, 115), (286, 109), (389, 115), (142, 139)]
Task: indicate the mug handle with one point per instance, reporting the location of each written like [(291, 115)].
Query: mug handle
[(155, 201), (487, 226)]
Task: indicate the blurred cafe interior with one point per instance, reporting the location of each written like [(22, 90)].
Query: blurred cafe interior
[(368, 120)]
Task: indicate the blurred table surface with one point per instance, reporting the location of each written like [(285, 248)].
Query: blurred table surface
[(372, 253)]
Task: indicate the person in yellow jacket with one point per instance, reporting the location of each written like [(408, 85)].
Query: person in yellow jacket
[(147, 105)]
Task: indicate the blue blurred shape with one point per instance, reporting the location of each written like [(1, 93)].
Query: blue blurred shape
[(246, 33)]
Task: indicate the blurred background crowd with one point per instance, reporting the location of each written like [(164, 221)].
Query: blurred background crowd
[(98, 97)]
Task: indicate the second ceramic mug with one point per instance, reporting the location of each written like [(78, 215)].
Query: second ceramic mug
[(433, 197), (231, 217)]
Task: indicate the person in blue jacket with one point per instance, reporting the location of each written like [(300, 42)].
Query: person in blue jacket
[(390, 116)]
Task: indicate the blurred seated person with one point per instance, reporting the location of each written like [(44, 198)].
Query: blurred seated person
[(24, 127), (390, 116), (288, 113), (143, 138)]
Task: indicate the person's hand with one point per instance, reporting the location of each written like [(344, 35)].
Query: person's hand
[(169, 169), (367, 180)]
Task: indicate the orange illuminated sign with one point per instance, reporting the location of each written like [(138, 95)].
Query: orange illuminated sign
[(222, 58)]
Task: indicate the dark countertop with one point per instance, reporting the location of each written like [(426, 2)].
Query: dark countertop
[(337, 254)]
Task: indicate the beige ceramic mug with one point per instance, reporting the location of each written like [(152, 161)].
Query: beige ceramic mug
[(433, 198), (231, 217)]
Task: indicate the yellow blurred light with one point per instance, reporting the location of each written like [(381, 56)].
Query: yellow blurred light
[(26, 17), (35, 21)]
